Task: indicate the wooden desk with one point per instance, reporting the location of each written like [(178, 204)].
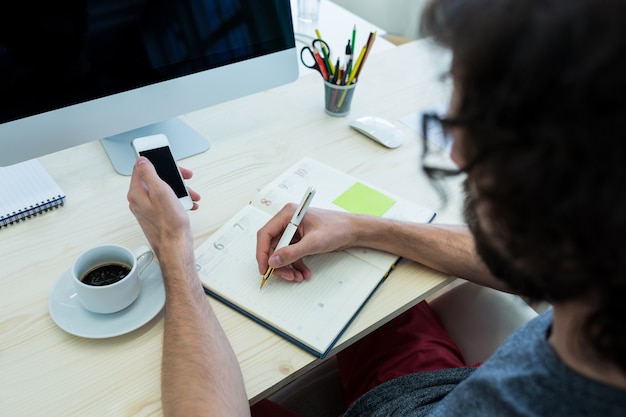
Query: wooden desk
[(46, 371)]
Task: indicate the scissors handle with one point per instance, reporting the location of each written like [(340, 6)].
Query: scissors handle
[(307, 61), (321, 45), (318, 61)]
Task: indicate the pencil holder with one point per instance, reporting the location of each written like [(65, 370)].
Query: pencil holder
[(338, 98)]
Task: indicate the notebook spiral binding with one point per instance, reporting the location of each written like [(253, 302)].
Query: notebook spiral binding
[(31, 211)]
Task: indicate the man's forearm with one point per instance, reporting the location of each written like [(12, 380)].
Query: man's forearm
[(200, 372), (446, 248)]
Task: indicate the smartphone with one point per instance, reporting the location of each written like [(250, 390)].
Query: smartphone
[(157, 149)]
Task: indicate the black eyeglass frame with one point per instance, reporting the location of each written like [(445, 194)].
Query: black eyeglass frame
[(431, 171)]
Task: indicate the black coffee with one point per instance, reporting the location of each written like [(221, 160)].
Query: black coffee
[(105, 274)]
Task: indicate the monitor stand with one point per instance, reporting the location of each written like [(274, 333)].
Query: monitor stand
[(184, 141)]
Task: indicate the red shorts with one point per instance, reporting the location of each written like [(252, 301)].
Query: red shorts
[(412, 342)]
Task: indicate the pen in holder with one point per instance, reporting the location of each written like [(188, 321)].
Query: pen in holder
[(338, 98), (339, 80)]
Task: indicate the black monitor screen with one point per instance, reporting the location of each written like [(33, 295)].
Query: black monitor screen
[(55, 54)]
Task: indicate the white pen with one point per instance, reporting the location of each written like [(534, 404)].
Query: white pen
[(290, 231)]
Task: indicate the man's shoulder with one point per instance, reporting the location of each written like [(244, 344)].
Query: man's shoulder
[(525, 377)]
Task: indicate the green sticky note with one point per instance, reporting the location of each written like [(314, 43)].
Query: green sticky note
[(361, 199)]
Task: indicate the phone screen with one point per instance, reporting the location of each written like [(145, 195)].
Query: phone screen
[(166, 168)]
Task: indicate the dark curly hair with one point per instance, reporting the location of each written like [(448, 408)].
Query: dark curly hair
[(543, 113)]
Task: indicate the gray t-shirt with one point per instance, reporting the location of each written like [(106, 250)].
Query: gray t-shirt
[(523, 378)]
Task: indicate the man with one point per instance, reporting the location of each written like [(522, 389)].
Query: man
[(537, 118)]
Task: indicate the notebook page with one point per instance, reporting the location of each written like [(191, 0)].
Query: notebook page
[(313, 311)]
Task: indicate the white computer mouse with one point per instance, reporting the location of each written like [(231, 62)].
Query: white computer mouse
[(379, 130)]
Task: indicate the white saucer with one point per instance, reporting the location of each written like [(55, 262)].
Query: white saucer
[(68, 313)]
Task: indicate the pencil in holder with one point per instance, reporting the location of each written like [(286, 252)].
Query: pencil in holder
[(338, 98)]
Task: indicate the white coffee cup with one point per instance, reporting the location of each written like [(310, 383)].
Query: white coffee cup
[(96, 290)]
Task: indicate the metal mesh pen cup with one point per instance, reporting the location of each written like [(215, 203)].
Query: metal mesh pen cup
[(338, 98)]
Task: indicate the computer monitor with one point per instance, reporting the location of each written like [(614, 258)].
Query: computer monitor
[(76, 71)]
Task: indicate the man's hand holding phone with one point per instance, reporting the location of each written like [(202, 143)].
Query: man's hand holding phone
[(156, 148), (162, 218)]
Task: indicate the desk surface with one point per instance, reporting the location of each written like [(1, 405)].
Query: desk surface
[(48, 371)]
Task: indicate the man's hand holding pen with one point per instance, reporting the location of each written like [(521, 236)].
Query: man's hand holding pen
[(291, 228), (320, 231)]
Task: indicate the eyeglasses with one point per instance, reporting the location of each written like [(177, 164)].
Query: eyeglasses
[(437, 143)]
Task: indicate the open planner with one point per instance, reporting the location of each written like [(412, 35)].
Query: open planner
[(26, 189), (313, 313)]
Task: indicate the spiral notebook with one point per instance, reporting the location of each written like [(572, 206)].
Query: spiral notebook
[(26, 190)]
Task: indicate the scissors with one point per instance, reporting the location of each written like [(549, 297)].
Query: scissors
[(314, 59)]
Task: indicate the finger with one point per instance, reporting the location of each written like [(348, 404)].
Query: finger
[(187, 173), (302, 268), (285, 273), (291, 273), (157, 190), (145, 171), (297, 272), (138, 189), (268, 236), (264, 247), (291, 255), (194, 195)]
